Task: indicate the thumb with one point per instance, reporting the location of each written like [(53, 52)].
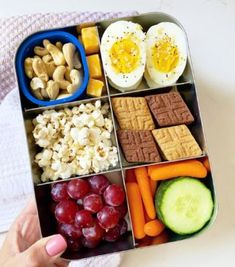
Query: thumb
[(45, 251)]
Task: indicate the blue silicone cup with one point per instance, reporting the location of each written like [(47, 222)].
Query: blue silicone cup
[(26, 50)]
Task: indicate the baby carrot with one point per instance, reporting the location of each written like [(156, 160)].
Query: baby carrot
[(192, 168), (136, 209), (160, 239), (206, 163), (154, 228), (130, 176), (145, 190), (153, 186)]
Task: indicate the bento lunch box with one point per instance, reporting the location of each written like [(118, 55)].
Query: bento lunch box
[(116, 173)]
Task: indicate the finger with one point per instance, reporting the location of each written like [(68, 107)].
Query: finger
[(45, 251), (61, 263)]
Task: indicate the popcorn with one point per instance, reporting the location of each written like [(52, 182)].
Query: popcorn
[(75, 141)]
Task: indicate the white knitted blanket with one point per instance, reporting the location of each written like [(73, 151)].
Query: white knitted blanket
[(15, 181)]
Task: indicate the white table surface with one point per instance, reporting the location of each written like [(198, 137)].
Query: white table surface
[(210, 27)]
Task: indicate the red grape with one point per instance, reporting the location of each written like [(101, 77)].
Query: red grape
[(78, 188), (90, 243), (114, 195), (98, 183), (93, 203), (93, 233), (74, 244), (65, 211), (122, 210), (108, 217), (112, 234), (59, 192), (69, 230), (83, 218), (123, 226)]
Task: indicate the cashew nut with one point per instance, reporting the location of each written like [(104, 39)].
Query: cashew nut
[(69, 50), (76, 78), (76, 61), (52, 89), (47, 58), (37, 83), (50, 65), (56, 54), (46, 42), (28, 68), (63, 96), (40, 51), (58, 76), (44, 93), (39, 68), (37, 94), (59, 45), (67, 74)]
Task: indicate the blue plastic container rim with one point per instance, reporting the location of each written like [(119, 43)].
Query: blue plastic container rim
[(27, 46)]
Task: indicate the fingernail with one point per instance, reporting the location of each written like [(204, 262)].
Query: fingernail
[(56, 245)]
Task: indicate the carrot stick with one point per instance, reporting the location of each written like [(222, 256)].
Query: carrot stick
[(136, 209), (160, 239), (206, 163), (153, 185), (145, 190), (192, 168), (154, 228), (130, 176)]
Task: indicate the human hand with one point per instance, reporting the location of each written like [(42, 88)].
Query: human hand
[(24, 248)]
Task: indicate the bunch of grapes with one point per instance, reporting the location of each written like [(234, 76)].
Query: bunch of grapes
[(89, 211)]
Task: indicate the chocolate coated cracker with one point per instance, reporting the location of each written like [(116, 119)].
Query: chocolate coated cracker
[(169, 109)]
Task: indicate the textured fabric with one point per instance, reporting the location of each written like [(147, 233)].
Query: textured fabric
[(16, 184)]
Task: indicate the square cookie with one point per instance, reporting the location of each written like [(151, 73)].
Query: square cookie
[(169, 109), (176, 142), (132, 113), (138, 146)]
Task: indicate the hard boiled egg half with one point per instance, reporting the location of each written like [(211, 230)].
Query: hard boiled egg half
[(123, 54), (166, 54)]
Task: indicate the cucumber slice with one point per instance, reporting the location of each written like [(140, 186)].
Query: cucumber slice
[(184, 204)]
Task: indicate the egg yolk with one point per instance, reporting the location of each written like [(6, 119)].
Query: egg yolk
[(125, 55), (165, 55)]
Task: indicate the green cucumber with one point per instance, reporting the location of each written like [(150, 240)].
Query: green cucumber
[(184, 204)]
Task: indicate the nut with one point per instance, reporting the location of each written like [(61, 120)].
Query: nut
[(67, 74), (40, 51), (56, 54), (52, 89), (58, 76), (63, 96), (37, 83), (76, 78), (28, 68), (59, 45), (45, 42), (39, 68), (69, 50), (37, 94), (44, 93), (76, 61), (47, 58)]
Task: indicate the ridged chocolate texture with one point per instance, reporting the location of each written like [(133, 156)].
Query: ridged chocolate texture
[(138, 146), (169, 109), (176, 142), (132, 113)]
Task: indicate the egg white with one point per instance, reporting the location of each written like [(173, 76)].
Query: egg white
[(115, 32), (153, 76)]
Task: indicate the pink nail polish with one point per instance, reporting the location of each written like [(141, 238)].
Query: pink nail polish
[(56, 245)]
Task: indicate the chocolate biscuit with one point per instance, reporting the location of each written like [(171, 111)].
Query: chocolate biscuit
[(169, 109), (138, 146)]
